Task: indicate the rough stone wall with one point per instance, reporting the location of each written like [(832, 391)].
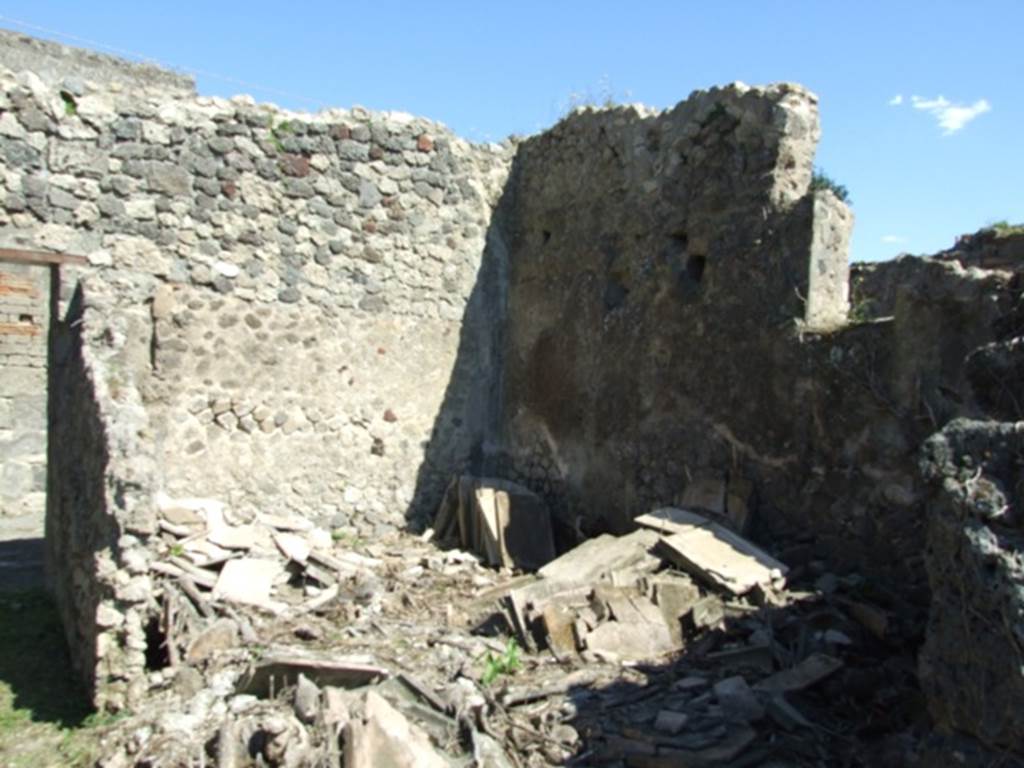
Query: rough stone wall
[(99, 512), (70, 68), (24, 325), (972, 663), (677, 319), (306, 276), (281, 311), (657, 262)]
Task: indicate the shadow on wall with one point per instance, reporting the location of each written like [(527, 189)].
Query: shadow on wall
[(78, 525), (466, 432)]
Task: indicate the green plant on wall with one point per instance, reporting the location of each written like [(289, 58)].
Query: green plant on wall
[(821, 180), (70, 105), (1006, 229), (278, 132)]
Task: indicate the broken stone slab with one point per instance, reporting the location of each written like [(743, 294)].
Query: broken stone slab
[(738, 700), (668, 721), (758, 657), (307, 699), (285, 522), (675, 596), (628, 606), (240, 537), (294, 547), (220, 636), (248, 580), (808, 672), (524, 604), (708, 612), (785, 714), (280, 667), (712, 552), (586, 563), (630, 641), (204, 553), (384, 737), (200, 576), (187, 511), (558, 626)]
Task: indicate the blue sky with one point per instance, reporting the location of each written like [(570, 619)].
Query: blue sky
[(919, 173)]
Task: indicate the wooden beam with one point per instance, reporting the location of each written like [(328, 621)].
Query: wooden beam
[(16, 256)]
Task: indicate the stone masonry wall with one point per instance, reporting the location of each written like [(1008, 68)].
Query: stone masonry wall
[(70, 68), (99, 511), (24, 325), (273, 316), (306, 278), (677, 332), (654, 261)]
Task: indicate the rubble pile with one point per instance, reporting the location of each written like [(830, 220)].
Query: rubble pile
[(681, 643)]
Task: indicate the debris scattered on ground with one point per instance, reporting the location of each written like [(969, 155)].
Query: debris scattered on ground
[(678, 644)]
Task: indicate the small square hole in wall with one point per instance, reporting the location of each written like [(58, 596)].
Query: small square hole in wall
[(25, 319)]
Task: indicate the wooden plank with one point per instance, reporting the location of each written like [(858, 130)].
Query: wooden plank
[(40, 258)]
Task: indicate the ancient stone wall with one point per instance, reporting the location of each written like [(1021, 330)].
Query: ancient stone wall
[(306, 276), (99, 508), (24, 325), (677, 332), (657, 262), (69, 68), (280, 311), (332, 314)]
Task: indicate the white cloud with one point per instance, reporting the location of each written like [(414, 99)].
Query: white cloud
[(893, 239), (951, 117), (896, 100)]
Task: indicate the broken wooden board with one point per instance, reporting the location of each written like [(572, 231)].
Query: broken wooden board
[(604, 554), (808, 672), (524, 524), (712, 551), (508, 525), (281, 667)]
